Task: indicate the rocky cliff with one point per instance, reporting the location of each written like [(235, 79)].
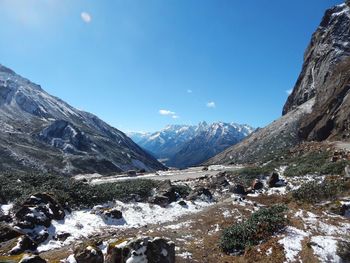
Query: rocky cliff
[(326, 76)]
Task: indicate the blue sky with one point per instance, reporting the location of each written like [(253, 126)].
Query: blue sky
[(143, 64)]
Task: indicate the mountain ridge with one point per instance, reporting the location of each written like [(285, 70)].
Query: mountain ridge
[(187, 145), (71, 141)]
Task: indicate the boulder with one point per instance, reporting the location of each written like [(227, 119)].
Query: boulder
[(8, 233), (145, 249), (273, 179), (167, 189), (88, 254), (24, 244), (238, 189), (182, 203), (61, 236), (113, 213), (257, 185), (160, 200), (39, 209), (32, 259), (5, 218), (200, 192)]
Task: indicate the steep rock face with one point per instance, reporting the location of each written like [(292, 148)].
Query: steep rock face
[(39, 132), (183, 145), (328, 47), (326, 76)]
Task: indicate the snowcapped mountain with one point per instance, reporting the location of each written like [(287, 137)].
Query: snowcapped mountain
[(188, 145), (43, 133)]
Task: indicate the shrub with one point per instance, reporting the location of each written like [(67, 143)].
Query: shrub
[(314, 163), (313, 192), (17, 187), (260, 226)]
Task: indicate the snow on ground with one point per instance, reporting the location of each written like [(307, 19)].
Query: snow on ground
[(6, 208), (84, 223), (325, 248), (292, 243)]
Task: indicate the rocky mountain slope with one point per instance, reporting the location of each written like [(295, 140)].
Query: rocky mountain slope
[(183, 145), (39, 132), (323, 83), (326, 76)]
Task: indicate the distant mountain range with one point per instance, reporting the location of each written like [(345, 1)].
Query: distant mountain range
[(188, 145), (39, 132)]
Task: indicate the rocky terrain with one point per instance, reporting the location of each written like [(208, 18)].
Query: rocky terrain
[(39, 132), (184, 146), (288, 200)]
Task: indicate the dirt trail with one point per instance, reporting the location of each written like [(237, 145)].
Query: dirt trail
[(173, 175)]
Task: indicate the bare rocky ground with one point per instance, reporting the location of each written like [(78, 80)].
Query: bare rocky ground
[(316, 232)]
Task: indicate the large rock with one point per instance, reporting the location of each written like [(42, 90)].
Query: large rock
[(88, 254), (200, 193), (238, 189), (39, 209), (145, 249), (273, 179), (257, 185), (32, 259), (8, 233), (24, 243)]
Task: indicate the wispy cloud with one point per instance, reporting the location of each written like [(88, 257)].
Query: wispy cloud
[(86, 17), (166, 112), (169, 113), (211, 104), (289, 91), (189, 91)]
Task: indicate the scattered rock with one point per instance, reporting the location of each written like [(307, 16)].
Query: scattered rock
[(200, 192), (61, 236), (5, 218), (32, 259), (182, 203), (39, 209), (205, 168), (238, 189), (113, 214), (273, 179), (257, 185), (145, 249), (8, 233), (339, 208), (24, 244), (166, 189), (160, 200), (88, 254)]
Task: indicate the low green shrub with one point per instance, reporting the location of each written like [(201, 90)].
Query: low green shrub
[(75, 193), (313, 192), (258, 227)]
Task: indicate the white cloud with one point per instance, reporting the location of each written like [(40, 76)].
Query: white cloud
[(289, 91), (166, 112), (211, 104), (86, 17), (189, 91)]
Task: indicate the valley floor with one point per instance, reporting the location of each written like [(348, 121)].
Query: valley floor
[(312, 235)]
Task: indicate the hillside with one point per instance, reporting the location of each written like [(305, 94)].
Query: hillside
[(39, 132)]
